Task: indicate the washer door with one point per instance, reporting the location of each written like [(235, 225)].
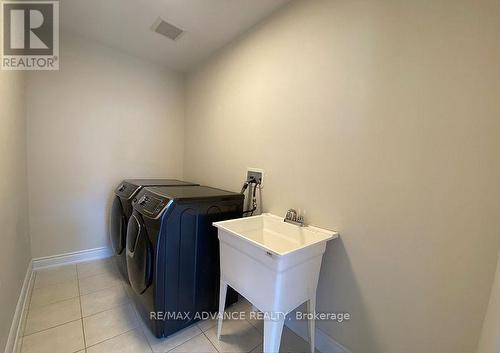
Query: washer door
[(118, 227), (139, 255)]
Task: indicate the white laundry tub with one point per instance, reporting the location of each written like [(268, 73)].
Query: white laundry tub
[(273, 264)]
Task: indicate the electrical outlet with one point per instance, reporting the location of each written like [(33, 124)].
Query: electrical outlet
[(258, 174)]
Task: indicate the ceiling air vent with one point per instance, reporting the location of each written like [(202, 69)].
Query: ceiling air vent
[(167, 29)]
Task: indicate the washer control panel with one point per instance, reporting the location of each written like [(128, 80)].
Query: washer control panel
[(149, 204)]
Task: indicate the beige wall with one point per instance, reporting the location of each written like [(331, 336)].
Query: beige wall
[(381, 119), (103, 117), (490, 335), (14, 234)]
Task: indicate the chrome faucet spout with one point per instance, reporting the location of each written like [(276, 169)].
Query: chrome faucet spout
[(294, 218)]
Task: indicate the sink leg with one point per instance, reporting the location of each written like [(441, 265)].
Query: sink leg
[(311, 308), (222, 304), (272, 335)]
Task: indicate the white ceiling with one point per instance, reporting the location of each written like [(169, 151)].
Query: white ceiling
[(126, 25)]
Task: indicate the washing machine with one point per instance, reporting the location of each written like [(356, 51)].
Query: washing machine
[(121, 211), (173, 254)]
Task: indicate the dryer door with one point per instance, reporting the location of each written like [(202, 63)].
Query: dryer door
[(139, 255), (117, 227)]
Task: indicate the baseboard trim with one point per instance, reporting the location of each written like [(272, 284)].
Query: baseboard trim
[(14, 339), (71, 258), (324, 343)]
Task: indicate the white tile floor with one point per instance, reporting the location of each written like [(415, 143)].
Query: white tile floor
[(85, 308)]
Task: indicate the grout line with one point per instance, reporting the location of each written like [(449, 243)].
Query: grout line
[(138, 327), (123, 304), (260, 335), (143, 328), (171, 349), (105, 271), (119, 334), (107, 309), (110, 338), (108, 285), (103, 289), (81, 310), (46, 329), (116, 305), (213, 345), (251, 323), (56, 283), (79, 350), (77, 280), (292, 331), (79, 295), (47, 304)]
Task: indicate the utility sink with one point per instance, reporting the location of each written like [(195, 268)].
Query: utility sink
[(273, 264), (270, 233)]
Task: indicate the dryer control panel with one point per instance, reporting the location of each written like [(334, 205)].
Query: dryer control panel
[(149, 204), (126, 190)]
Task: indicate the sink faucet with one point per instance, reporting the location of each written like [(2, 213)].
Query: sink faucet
[(294, 218)]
